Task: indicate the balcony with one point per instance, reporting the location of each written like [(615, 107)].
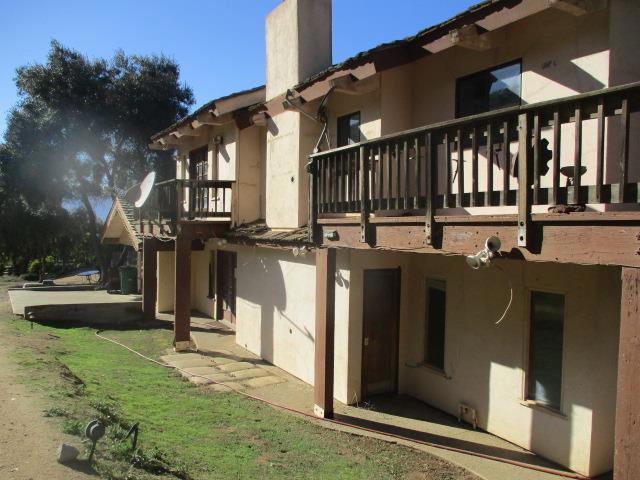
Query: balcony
[(566, 161), (177, 202)]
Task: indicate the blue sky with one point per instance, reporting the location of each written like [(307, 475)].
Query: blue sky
[(219, 44)]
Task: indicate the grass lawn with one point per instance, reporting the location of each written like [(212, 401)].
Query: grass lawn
[(184, 431)]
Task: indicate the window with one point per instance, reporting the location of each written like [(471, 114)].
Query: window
[(498, 87), (545, 349), (435, 323), (349, 129)]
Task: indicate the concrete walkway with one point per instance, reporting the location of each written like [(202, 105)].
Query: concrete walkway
[(220, 359), (27, 298)]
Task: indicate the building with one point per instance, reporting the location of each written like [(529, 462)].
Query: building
[(326, 217)]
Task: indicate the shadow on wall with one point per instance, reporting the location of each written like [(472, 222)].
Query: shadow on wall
[(263, 286)]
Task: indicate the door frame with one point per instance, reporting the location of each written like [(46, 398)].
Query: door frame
[(220, 264), (396, 357)]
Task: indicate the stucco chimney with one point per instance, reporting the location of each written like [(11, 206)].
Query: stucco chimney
[(298, 43), (298, 46)]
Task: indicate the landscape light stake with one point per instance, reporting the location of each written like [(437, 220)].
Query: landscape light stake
[(94, 431)]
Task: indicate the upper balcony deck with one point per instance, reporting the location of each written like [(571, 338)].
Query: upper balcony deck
[(173, 204), (449, 185)]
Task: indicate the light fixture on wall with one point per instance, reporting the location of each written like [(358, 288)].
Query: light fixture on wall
[(300, 251), (484, 256)]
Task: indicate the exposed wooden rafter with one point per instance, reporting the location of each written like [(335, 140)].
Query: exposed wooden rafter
[(472, 37), (578, 7)]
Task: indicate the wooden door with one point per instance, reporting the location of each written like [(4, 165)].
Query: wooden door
[(381, 319), (226, 281), (198, 170)]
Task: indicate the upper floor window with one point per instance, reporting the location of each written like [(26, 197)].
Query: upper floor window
[(349, 129), (497, 87), (545, 349)]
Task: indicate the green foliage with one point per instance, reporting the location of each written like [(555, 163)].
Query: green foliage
[(37, 265), (80, 131)]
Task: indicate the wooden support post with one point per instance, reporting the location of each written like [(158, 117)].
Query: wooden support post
[(182, 305), (627, 432), (150, 279), (524, 197), (325, 320)]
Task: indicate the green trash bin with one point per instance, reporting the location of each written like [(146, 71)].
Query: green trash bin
[(128, 280)]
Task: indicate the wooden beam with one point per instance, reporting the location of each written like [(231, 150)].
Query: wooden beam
[(606, 243), (626, 462), (182, 305), (324, 332), (209, 118), (149, 279), (186, 131), (472, 37), (577, 7)]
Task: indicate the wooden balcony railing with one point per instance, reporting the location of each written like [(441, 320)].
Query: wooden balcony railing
[(177, 200), (515, 156)]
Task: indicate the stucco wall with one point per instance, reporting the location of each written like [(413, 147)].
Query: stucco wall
[(485, 363), (275, 311), (200, 282), (249, 198), (166, 281)]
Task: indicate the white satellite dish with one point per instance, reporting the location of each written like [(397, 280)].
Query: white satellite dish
[(145, 189)]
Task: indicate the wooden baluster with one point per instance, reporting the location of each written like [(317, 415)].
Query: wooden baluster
[(344, 164), (577, 155), (418, 180), (488, 201), (536, 159), (431, 185), (398, 175), (318, 174), (352, 175), (332, 182), (380, 177), (474, 166), (405, 161), (506, 167), (314, 199), (364, 195), (624, 157), (371, 174), (356, 179), (600, 151), (460, 196), (338, 180), (524, 204), (448, 169), (389, 177), (555, 164)]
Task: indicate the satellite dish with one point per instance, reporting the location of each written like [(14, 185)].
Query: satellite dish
[(132, 195), (145, 189)]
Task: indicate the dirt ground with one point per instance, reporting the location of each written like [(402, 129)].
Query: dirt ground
[(28, 441)]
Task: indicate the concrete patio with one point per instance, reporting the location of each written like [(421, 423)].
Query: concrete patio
[(55, 306)]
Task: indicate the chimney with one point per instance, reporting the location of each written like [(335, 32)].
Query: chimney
[(298, 39), (298, 43)]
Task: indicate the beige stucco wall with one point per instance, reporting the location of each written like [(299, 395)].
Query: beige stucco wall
[(249, 198), (290, 136), (485, 363), (166, 281), (200, 282)]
